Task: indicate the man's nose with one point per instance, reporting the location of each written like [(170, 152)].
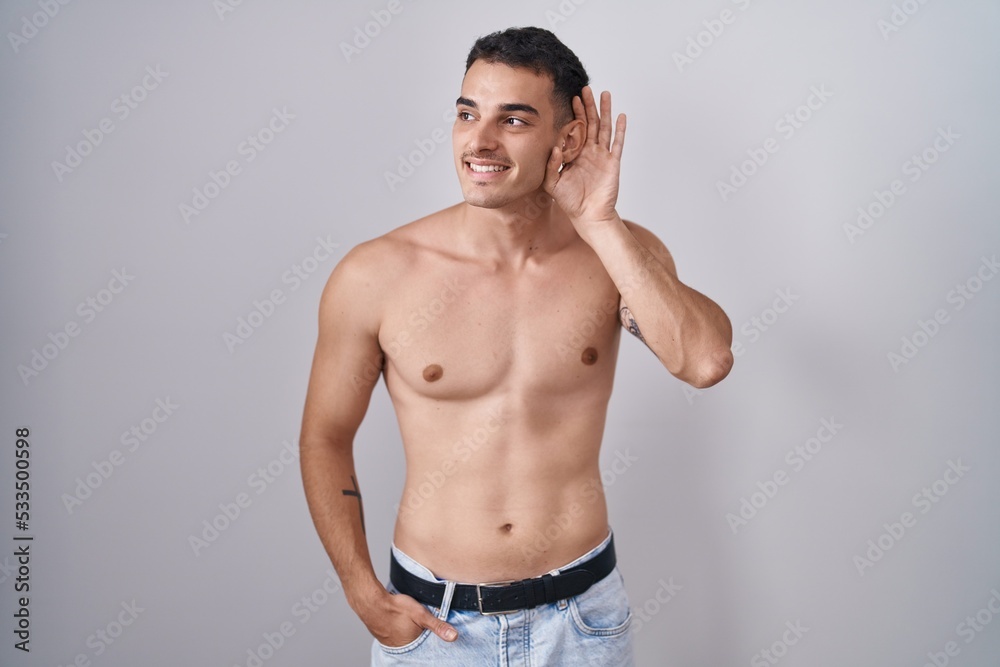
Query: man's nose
[(484, 138)]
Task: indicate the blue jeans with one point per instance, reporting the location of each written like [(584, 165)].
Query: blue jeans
[(588, 629)]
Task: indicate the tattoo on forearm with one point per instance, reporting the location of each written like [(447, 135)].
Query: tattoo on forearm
[(625, 315), (361, 508)]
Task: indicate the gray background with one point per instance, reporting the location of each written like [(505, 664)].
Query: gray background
[(695, 455)]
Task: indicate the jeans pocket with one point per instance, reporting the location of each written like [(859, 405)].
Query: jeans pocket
[(603, 609), (405, 648)]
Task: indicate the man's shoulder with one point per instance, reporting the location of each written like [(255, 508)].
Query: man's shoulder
[(404, 241), (383, 258)]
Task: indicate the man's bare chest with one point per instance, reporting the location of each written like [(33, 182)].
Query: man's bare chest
[(457, 333)]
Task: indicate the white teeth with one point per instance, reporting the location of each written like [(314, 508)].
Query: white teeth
[(482, 169)]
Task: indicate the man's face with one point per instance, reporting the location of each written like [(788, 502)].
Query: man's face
[(503, 134)]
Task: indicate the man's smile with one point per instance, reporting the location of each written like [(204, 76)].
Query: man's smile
[(485, 168)]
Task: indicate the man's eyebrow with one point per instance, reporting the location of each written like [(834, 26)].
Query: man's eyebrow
[(526, 108), (510, 106)]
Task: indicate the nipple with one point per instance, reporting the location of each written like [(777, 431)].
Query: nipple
[(589, 356), (433, 373)]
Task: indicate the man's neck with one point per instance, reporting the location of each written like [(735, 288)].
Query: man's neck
[(511, 236)]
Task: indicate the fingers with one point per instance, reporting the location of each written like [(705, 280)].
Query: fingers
[(604, 130), (436, 625), (443, 630), (592, 117), (427, 620), (619, 145), (599, 128)]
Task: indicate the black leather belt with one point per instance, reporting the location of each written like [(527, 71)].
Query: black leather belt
[(505, 597)]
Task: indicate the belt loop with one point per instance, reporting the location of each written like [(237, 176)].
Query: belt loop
[(449, 593), (550, 589)]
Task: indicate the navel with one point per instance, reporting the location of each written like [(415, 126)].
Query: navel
[(588, 357), (506, 528), (433, 373)]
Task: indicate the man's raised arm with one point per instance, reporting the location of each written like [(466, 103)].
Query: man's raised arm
[(345, 369), (688, 332)]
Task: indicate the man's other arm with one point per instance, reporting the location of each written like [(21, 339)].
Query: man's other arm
[(346, 367)]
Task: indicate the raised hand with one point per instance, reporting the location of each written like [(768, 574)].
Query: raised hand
[(587, 188)]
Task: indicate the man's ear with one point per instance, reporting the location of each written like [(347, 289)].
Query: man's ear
[(571, 138)]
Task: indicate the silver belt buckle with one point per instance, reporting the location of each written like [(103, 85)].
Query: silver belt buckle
[(479, 597)]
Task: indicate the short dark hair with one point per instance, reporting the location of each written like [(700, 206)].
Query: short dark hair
[(539, 50)]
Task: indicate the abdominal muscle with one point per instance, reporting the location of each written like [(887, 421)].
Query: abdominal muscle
[(498, 489)]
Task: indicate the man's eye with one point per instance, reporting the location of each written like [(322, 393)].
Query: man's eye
[(515, 122), (464, 115)]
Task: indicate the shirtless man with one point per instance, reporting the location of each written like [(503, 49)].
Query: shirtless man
[(496, 324)]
